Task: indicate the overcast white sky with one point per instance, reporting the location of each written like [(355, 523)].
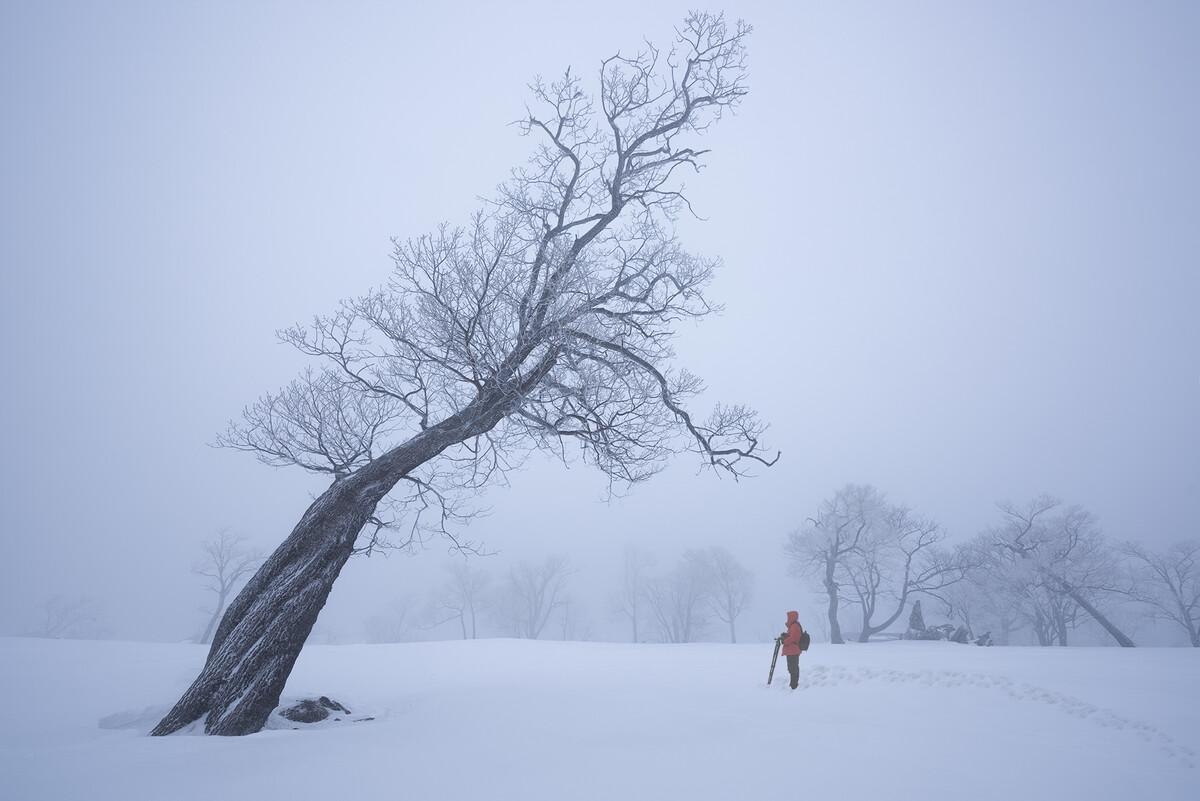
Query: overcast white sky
[(960, 243)]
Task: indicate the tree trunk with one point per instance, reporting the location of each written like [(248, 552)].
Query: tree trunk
[(869, 630), (732, 633), (831, 589), (1099, 617), (265, 627), (1040, 628), (262, 633), (1185, 619)]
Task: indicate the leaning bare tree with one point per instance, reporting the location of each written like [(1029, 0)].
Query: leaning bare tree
[(226, 561), (1059, 555), (546, 321), (1168, 581)]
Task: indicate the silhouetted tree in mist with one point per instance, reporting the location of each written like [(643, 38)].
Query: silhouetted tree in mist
[(532, 594), (731, 587), (1168, 582), (226, 561)]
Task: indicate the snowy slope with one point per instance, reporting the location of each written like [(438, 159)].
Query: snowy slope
[(503, 719)]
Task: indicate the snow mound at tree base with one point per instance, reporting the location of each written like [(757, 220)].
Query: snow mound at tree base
[(139, 720), (292, 713), (311, 713)]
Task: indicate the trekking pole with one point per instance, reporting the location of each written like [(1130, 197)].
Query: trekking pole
[(774, 658)]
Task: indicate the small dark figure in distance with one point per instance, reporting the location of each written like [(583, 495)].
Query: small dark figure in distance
[(793, 643)]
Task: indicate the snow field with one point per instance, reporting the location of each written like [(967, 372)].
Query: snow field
[(508, 719)]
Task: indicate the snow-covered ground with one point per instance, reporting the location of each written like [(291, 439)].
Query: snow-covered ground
[(504, 719)]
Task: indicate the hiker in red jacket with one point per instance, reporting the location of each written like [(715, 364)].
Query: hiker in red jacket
[(791, 646)]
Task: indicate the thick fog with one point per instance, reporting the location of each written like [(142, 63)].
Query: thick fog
[(960, 264)]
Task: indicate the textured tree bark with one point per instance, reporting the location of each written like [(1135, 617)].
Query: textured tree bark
[(262, 632), (265, 627)]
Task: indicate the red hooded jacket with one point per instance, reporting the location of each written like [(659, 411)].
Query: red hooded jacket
[(791, 640)]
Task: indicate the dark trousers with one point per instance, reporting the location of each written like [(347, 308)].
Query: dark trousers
[(794, 668)]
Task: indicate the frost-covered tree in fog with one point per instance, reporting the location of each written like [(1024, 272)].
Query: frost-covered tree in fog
[(732, 586), (225, 562), (1168, 581), (820, 548), (531, 595), (573, 621), (679, 602), (63, 617), (1058, 558), (630, 600), (874, 555), (393, 623), (1050, 613), (900, 555), (546, 321), (462, 598), (987, 599)]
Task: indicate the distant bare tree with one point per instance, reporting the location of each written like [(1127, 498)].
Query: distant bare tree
[(1168, 581), (1050, 613), (462, 598), (573, 621), (732, 587), (545, 322), (987, 598), (821, 547), (67, 618), (394, 623), (630, 600), (1058, 551), (899, 555), (679, 601), (226, 561), (533, 593)]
